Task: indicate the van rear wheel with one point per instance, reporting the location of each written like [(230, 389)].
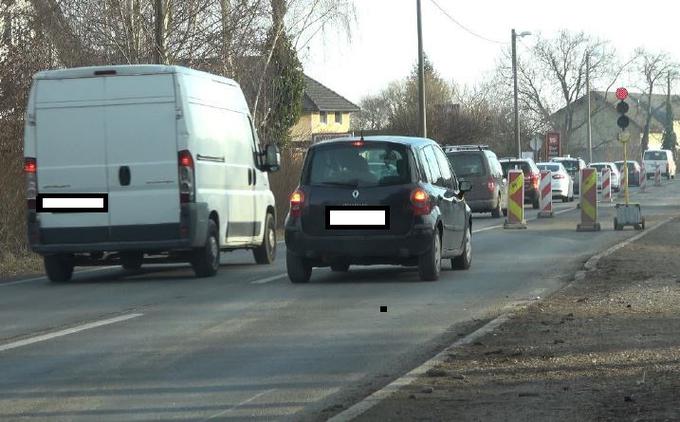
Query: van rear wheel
[(206, 260), (266, 252), (59, 268), (496, 212)]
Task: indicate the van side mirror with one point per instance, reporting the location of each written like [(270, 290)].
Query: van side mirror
[(272, 158)]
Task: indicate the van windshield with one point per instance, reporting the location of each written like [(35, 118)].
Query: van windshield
[(370, 164), (467, 164), (655, 155)]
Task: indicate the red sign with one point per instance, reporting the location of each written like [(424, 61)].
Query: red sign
[(553, 147)]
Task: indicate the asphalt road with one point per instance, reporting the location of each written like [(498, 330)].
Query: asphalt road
[(248, 344)]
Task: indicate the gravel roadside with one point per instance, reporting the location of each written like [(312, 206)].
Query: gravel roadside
[(606, 348)]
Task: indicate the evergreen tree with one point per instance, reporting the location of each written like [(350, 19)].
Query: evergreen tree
[(670, 140)]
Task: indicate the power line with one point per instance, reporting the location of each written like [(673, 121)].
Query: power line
[(471, 32)]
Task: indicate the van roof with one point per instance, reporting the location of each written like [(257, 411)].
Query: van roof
[(126, 70)]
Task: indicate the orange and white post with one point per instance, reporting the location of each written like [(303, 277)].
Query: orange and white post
[(515, 218), (545, 187), (588, 201), (606, 185)]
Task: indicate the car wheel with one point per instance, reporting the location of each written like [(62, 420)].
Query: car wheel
[(266, 252), (464, 260), (496, 212), (59, 268), (206, 260), (565, 198), (340, 268), (131, 261), (430, 263), (299, 270)]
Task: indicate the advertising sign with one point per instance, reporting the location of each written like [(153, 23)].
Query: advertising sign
[(553, 146)]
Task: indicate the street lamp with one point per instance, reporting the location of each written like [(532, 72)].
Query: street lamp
[(514, 77)]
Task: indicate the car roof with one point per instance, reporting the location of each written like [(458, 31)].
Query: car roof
[(403, 140)]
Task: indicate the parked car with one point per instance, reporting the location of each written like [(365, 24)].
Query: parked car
[(480, 166), (128, 162), (347, 211), (532, 177), (634, 170), (573, 166), (562, 183), (615, 175), (662, 158)]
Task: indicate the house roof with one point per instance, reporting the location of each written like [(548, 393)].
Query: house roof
[(321, 98)]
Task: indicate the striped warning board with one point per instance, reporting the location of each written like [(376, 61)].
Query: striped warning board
[(606, 185), (588, 201), (546, 194), (515, 218)]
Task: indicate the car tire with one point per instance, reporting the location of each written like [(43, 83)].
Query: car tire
[(265, 254), (131, 261), (59, 268), (430, 263), (534, 203), (496, 212), (340, 268), (298, 268), (565, 198), (206, 259), (464, 260)]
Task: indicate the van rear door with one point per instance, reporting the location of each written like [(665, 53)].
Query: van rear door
[(71, 154), (142, 157)]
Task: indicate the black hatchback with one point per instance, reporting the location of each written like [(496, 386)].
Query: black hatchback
[(378, 200)]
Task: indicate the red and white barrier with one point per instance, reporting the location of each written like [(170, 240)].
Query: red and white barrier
[(657, 176), (643, 178), (545, 188), (606, 185)]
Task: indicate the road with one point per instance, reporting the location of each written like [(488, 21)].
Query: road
[(248, 344)]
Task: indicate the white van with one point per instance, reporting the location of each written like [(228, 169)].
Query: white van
[(663, 158), (144, 163)]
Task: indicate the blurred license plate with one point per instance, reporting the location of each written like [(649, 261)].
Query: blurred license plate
[(348, 217)]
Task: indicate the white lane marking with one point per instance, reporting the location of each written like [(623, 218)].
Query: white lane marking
[(61, 333), (268, 279), (487, 229), (224, 412), (30, 280)]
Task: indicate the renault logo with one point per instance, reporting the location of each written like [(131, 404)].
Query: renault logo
[(355, 194)]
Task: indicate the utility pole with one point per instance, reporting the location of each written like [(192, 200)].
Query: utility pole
[(515, 96), (422, 120), (159, 48), (590, 128)]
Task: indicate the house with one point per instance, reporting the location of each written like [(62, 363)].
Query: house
[(604, 116), (325, 114)]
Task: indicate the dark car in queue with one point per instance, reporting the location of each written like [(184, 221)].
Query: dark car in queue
[(479, 165), (532, 177), (634, 171), (377, 200)]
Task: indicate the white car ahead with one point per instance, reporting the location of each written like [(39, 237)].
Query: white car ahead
[(615, 175), (562, 183)]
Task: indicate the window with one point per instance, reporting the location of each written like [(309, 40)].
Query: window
[(467, 164), (444, 167), (323, 117), (338, 117), (437, 178)]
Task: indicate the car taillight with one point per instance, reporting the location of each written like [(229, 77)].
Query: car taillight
[(297, 201), (187, 188), (491, 184), (420, 200), (31, 171), (558, 176)]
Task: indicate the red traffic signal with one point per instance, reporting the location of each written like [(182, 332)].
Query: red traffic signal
[(621, 93)]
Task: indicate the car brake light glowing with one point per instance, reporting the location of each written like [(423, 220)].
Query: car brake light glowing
[(31, 170), (187, 190), (421, 202), (297, 199)]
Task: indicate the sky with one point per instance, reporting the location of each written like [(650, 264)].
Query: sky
[(384, 46)]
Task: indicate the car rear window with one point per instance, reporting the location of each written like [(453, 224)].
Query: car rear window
[(467, 164), (599, 167), (570, 165), (655, 155), (549, 167), (371, 164), (516, 165)]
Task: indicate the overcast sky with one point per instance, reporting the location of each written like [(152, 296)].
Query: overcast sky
[(383, 47)]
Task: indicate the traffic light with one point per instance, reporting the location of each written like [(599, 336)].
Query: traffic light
[(622, 108)]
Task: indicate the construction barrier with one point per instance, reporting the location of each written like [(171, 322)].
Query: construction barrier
[(545, 187), (588, 201), (657, 176), (606, 185), (515, 218), (643, 178)]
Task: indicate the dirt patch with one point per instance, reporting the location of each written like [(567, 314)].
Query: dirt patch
[(604, 348)]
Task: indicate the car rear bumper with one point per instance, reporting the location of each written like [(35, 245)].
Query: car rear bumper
[(359, 249), (481, 205)]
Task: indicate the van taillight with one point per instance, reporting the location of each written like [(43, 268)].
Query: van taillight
[(31, 171), (297, 200), (420, 201), (187, 187), (491, 184)]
